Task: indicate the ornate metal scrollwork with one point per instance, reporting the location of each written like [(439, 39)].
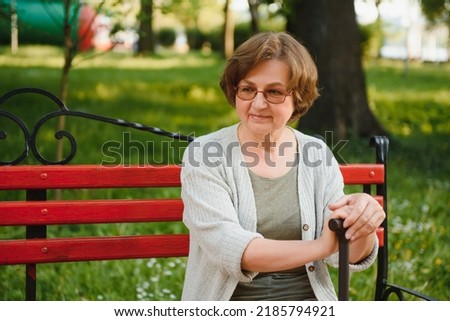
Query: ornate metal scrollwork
[(30, 137), (26, 133)]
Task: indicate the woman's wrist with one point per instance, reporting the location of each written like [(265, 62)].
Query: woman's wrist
[(323, 247)]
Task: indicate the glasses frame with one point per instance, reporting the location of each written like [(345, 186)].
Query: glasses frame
[(265, 94)]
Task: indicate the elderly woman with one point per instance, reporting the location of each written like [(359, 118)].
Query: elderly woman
[(258, 194)]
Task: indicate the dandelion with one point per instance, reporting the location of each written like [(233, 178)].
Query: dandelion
[(151, 262), (425, 208)]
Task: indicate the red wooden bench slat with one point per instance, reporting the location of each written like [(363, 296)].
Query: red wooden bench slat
[(101, 211), (363, 173), (87, 176), (94, 248), (379, 199), (92, 211), (380, 236), (97, 176)]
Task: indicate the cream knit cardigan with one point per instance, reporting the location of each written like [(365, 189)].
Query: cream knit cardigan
[(220, 213)]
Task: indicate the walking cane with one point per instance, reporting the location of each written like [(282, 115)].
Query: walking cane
[(337, 225)]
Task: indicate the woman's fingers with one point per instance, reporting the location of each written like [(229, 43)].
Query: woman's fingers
[(361, 213)]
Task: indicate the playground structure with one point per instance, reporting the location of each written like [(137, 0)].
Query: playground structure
[(42, 22)]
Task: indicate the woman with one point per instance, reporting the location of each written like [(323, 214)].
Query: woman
[(258, 194)]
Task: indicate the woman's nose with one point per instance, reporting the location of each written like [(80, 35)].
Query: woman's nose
[(259, 101)]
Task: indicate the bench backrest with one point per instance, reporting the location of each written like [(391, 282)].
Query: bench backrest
[(39, 212), (36, 212)]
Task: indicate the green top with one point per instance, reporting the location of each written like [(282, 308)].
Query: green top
[(278, 218)]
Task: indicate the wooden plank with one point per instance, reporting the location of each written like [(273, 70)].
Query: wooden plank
[(91, 211), (92, 249), (87, 176), (96, 176), (355, 174), (379, 199), (380, 236)]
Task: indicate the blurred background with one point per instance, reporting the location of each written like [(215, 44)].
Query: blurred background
[(405, 28)]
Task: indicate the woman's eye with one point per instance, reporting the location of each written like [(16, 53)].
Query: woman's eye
[(274, 92), (247, 89)]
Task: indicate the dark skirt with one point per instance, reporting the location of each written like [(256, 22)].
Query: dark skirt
[(279, 286)]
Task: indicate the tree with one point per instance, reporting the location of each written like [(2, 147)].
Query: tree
[(436, 10), (70, 45), (146, 42), (187, 11), (253, 8), (71, 9), (328, 28), (228, 31)]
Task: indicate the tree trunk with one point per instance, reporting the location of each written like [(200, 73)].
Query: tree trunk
[(14, 28), (253, 8), (328, 28), (146, 42), (69, 53), (228, 31)]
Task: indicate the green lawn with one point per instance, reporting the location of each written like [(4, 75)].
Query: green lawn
[(181, 93)]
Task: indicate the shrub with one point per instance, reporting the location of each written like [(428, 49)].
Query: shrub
[(195, 38), (166, 37)]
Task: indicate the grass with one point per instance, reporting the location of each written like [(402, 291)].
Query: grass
[(181, 93)]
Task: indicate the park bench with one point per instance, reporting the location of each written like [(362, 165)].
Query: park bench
[(36, 212)]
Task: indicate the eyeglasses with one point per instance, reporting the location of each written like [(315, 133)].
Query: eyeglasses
[(274, 96)]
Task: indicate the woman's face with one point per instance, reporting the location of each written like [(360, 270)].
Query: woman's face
[(259, 116)]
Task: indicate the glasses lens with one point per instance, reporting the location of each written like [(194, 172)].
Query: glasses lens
[(246, 93), (273, 96)]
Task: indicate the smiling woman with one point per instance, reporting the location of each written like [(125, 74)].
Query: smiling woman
[(258, 214)]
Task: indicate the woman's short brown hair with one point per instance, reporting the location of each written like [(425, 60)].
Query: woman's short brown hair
[(280, 46)]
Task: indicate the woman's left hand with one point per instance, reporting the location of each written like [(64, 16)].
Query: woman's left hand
[(361, 212)]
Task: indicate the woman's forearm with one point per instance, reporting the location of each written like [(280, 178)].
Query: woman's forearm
[(265, 255)]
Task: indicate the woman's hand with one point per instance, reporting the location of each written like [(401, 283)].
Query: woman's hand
[(362, 214), (329, 240)]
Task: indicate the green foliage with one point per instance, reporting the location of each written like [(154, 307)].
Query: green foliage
[(436, 10), (371, 38), (195, 38), (181, 93), (167, 36), (241, 33)]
